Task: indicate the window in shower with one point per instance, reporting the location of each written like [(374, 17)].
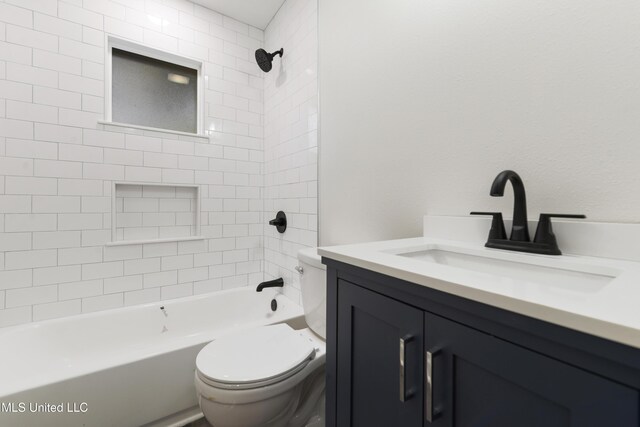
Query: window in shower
[(153, 89)]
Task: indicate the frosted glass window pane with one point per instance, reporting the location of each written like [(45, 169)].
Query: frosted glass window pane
[(150, 92)]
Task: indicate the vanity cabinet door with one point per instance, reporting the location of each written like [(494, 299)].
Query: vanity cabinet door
[(479, 380), (379, 362)]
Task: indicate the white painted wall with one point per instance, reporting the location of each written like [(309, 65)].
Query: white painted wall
[(291, 139), (57, 164), (422, 103)]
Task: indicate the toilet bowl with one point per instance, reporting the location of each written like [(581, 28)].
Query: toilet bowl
[(269, 376)]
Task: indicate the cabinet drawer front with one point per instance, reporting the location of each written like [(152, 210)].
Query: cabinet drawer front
[(379, 372), (481, 380)]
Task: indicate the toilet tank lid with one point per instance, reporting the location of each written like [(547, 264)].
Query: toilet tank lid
[(311, 257)]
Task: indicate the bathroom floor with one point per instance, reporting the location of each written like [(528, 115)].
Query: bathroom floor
[(202, 422), (316, 421)]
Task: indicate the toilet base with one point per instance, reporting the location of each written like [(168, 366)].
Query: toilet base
[(317, 418), (311, 402), (294, 407), (273, 412)]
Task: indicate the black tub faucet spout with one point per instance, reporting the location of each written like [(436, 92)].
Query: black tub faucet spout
[(276, 283)]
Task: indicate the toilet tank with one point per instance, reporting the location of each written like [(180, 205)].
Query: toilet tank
[(313, 285)]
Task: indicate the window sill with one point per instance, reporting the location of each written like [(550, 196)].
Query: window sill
[(152, 129), (148, 241)]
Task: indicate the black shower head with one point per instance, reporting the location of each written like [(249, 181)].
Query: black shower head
[(265, 59)]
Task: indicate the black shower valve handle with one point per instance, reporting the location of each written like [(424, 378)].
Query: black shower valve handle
[(497, 230), (277, 221), (280, 222)]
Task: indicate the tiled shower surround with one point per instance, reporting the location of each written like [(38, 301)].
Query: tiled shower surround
[(291, 138), (58, 163), (155, 212)]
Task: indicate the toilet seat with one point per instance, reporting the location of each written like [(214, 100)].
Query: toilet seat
[(254, 358)]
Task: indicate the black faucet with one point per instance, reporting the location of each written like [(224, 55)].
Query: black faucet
[(520, 227), (545, 240), (276, 283)]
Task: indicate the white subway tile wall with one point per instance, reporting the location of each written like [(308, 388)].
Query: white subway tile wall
[(145, 212), (290, 138), (58, 165)]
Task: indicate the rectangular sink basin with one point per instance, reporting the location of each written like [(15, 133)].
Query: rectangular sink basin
[(573, 277)]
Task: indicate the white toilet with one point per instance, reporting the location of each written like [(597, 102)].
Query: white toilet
[(270, 376)]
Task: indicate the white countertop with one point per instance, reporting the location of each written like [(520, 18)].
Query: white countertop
[(609, 310)]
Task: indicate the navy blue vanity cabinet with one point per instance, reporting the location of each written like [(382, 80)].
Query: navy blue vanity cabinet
[(405, 355), (380, 367), (480, 380)]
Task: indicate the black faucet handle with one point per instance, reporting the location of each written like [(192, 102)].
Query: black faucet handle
[(546, 216), (544, 232), (497, 230)]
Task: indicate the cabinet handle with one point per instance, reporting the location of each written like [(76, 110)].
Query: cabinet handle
[(403, 343), (428, 375)]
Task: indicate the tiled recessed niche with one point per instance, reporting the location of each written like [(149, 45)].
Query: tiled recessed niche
[(147, 213)]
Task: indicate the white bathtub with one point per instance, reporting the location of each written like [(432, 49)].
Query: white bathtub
[(124, 367)]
